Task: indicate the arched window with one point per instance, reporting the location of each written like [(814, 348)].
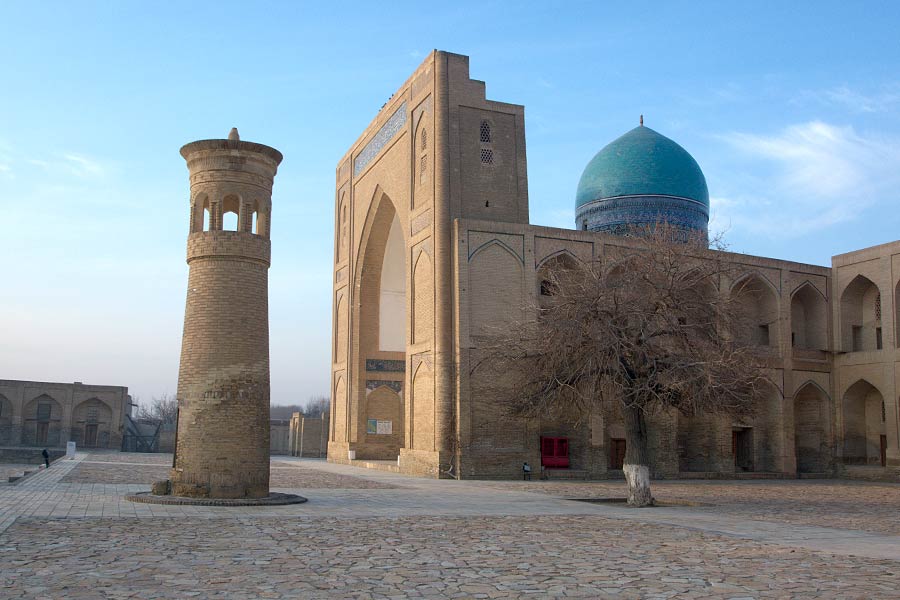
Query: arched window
[(423, 152), (486, 137), (231, 209), (485, 132)]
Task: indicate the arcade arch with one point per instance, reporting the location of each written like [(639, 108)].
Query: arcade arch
[(862, 408), (809, 321), (812, 444), (759, 305), (861, 316)]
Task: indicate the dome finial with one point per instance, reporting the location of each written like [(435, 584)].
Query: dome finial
[(642, 120), (234, 135)]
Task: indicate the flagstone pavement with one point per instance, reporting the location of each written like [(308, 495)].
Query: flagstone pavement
[(68, 532)]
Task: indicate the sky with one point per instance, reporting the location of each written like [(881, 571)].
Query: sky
[(792, 111)]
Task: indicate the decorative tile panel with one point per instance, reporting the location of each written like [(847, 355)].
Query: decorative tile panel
[(390, 128), (380, 365), (616, 215)]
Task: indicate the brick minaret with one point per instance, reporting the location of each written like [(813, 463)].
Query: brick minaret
[(222, 444)]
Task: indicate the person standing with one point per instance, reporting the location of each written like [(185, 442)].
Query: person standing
[(46, 456)]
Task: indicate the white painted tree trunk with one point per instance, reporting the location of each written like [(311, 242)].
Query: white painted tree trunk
[(638, 479)]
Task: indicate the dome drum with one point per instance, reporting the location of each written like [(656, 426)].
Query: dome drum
[(616, 215)]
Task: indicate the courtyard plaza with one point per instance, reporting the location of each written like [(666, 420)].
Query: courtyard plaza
[(69, 532)]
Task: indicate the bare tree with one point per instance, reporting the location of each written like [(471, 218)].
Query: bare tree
[(162, 409), (646, 328), (284, 411), (317, 406)]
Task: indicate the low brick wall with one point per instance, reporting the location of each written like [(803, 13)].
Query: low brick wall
[(28, 455)]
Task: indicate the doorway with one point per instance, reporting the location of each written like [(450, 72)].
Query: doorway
[(742, 448), (90, 436), (43, 428), (616, 454)]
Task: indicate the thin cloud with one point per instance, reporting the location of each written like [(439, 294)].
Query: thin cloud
[(886, 99), (821, 175), (82, 166), (71, 164)]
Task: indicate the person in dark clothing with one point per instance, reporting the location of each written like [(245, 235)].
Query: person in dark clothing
[(46, 456)]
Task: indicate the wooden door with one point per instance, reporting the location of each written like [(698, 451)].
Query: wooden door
[(616, 454), (90, 436), (42, 430), (884, 451)]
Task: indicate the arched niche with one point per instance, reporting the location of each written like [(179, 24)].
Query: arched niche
[(340, 411), (809, 319), (423, 416), (6, 415), (495, 278), (863, 412), (342, 229), (422, 298), (758, 304), (340, 330), (552, 271), (42, 422), (812, 445), (92, 424), (861, 316)]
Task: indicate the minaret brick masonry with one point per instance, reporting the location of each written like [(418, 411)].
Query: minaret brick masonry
[(222, 443)]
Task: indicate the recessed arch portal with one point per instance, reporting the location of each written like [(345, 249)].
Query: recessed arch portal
[(809, 320), (759, 305), (861, 316), (863, 415), (812, 444)]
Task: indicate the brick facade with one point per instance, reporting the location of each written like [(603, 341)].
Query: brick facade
[(454, 175), (39, 414)]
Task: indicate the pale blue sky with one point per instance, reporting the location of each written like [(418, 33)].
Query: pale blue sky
[(791, 109)]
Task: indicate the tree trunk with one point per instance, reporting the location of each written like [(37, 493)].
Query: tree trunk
[(637, 463)]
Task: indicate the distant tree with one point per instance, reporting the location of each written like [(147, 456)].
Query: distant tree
[(163, 409), (317, 406), (313, 407), (284, 412), (643, 329)]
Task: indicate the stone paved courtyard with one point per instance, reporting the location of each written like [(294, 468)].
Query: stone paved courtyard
[(67, 532)]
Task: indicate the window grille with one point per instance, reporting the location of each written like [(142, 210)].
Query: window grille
[(878, 307), (424, 136), (486, 132), (487, 156), (43, 412), (423, 165), (92, 414)]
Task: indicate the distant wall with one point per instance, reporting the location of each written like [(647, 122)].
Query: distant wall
[(309, 436)]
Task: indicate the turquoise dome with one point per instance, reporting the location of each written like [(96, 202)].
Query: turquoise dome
[(642, 163)]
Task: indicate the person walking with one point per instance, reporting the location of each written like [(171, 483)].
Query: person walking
[(46, 456)]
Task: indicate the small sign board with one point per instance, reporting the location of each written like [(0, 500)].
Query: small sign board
[(70, 450), (376, 427)]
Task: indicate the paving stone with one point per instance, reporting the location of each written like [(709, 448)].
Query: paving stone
[(368, 534)]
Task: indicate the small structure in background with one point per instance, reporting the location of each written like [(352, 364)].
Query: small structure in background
[(41, 414), (309, 435)]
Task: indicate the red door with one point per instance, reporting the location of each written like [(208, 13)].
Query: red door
[(555, 452)]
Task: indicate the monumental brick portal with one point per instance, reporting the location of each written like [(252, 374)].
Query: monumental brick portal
[(222, 443)]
